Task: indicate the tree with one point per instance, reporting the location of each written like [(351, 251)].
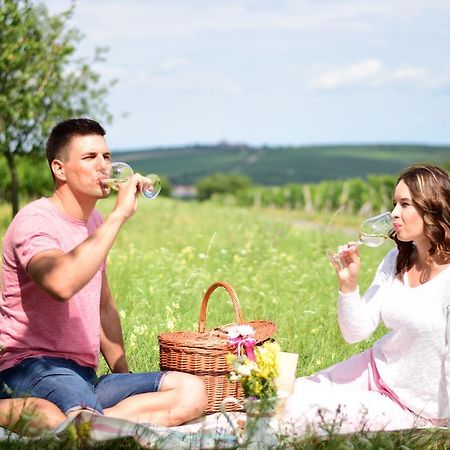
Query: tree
[(41, 80), (223, 183)]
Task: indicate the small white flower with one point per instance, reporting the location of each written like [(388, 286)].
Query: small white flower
[(170, 324), (244, 370), (240, 330), (140, 329), (234, 377)]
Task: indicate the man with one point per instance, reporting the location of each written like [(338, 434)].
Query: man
[(29, 415), (57, 311)]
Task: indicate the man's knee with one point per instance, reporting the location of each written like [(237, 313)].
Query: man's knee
[(50, 414), (191, 393), (39, 413)]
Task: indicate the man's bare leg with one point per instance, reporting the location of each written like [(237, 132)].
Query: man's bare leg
[(28, 415), (182, 398)]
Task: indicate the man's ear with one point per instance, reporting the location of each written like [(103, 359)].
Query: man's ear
[(58, 170)]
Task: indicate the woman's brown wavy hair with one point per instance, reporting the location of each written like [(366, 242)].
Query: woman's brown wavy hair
[(430, 192)]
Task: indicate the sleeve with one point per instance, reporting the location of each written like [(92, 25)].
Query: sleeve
[(444, 385), (32, 236), (359, 317)]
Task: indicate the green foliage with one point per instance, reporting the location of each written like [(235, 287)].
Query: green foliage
[(353, 196), (41, 81), (166, 187), (221, 183), (34, 173)]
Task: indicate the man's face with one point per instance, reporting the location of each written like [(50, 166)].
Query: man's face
[(87, 162)]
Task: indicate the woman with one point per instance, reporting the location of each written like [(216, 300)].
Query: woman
[(403, 381)]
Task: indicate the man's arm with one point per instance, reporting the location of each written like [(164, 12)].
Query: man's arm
[(62, 275), (111, 338)]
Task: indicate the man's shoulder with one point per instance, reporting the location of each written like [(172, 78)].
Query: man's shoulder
[(39, 206), (31, 211)]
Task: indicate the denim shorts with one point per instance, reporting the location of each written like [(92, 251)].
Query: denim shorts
[(71, 386)]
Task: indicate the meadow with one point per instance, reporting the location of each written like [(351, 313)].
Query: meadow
[(170, 251), (168, 254)]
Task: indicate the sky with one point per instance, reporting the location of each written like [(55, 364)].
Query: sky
[(270, 72)]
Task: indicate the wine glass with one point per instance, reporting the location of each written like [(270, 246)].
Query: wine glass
[(121, 172), (372, 232)]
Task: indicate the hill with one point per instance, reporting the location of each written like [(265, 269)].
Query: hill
[(280, 165)]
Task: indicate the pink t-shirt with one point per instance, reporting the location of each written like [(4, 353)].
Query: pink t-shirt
[(32, 323)]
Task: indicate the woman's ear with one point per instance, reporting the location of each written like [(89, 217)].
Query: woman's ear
[(58, 170)]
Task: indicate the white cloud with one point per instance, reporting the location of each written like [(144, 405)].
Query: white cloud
[(372, 73), (356, 73), (195, 81)]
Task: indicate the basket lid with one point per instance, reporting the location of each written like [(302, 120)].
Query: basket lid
[(216, 339)]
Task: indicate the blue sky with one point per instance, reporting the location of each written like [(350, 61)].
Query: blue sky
[(271, 72)]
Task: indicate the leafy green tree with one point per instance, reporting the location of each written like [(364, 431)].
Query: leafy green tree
[(41, 80), (221, 183)]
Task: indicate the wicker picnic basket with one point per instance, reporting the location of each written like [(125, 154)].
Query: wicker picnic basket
[(203, 353)]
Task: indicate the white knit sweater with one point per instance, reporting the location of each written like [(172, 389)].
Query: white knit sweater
[(413, 359)]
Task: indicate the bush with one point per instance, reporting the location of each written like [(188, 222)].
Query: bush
[(166, 187), (221, 183)]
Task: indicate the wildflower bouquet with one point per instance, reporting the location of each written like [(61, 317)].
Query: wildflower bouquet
[(255, 367)]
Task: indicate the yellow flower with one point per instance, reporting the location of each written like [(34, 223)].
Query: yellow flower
[(257, 377)]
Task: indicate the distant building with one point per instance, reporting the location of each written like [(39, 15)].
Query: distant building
[(184, 191)]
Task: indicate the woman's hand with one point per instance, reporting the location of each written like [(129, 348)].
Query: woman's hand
[(347, 263)]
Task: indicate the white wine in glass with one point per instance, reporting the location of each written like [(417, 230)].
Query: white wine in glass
[(121, 172), (372, 232)]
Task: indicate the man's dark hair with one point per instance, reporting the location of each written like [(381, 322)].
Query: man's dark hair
[(64, 131)]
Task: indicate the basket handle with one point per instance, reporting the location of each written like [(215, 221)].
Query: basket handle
[(204, 305)]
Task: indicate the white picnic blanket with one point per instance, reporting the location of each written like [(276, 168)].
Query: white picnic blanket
[(209, 432)]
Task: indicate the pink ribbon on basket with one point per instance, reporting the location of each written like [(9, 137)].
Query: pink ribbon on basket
[(240, 335)]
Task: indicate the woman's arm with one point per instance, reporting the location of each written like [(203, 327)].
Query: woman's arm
[(359, 317)]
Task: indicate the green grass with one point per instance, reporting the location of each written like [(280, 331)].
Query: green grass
[(170, 252)]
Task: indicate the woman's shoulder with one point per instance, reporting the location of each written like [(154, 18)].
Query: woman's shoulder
[(389, 262)]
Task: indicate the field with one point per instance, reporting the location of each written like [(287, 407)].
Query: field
[(170, 252), (281, 165)]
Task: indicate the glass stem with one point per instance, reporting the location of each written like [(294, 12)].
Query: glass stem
[(357, 244)]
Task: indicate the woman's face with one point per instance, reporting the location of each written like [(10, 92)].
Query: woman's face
[(408, 221)]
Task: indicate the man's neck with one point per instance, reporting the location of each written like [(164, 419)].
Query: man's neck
[(68, 203)]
